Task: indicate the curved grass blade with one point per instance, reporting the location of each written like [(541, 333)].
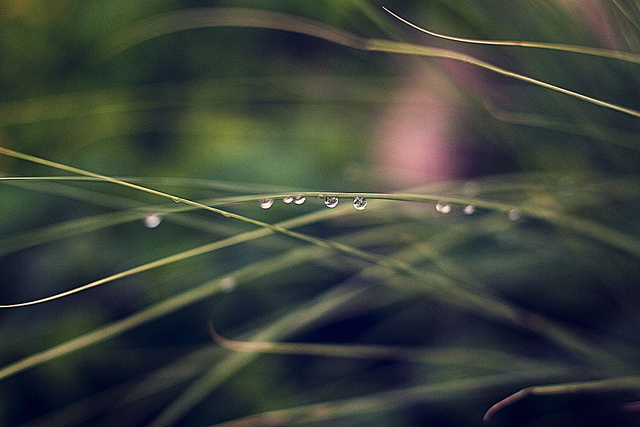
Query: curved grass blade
[(603, 53), (477, 358), (473, 300), (590, 229), (161, 309), (293, 321), (606, 134), (232, 240), (202, 18), (609, 384), (387, 401)]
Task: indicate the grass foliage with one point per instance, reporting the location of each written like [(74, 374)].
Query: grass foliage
[(141, 283)]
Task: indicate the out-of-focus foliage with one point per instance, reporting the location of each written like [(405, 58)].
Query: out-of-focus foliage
[(499, 300)]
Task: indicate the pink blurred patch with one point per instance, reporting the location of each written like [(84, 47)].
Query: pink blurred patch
[(415, 140)]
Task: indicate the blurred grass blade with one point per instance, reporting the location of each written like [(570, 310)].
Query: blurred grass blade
[(295, 320), (224, 17), (161, 309), (467, 357), (219, 244), (604, 234), (609, 384), (388, 401), (473, 300), (212, 17), (606, 134)]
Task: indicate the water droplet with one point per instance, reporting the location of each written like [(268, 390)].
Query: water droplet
[(266, 203), (331, 202), (288, 199), (175, 199), (299, 200), (228, 284), (152, 221), (468, 210), (359, 203), (443, 207), (514, 214)]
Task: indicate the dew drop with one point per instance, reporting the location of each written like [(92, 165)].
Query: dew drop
[(299, 200), (468, 210), (359, 203), (514, 214), (443, 207), (152, 221), (331, 202), (288, 199), (228, 284), (266, 203), (175, 199)]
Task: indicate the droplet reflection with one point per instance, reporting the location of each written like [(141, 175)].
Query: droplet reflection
[(468, 210), (443, 207), (266, 203), (514, 214), (152, 221), (331, 202), (228, 284), (359, 203)]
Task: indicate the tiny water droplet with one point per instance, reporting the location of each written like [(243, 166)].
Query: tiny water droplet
[(266, 203), (228, 284), (443, 207), (468, 210), (299, 200), (514, 214), (175, 199), (288, 199), (152, 221), (331, 202), (359, 203)]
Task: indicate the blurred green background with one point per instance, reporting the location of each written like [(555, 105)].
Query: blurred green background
[(217, 112)]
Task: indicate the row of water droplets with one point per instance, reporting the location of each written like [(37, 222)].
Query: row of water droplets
[(444, 208), (359, 202), (331, 202)]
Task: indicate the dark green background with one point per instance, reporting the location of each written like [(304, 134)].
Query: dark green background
[(281, 110)]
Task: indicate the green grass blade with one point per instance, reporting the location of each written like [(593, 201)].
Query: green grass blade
[(585, 50), (202, 18)]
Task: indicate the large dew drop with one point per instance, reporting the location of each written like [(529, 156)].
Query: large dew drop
[(468, 210), (288, 199), (152, 221), (359, 203), (331, 202), (266, 203), (299, 200), (443, 207), (514, 214)]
